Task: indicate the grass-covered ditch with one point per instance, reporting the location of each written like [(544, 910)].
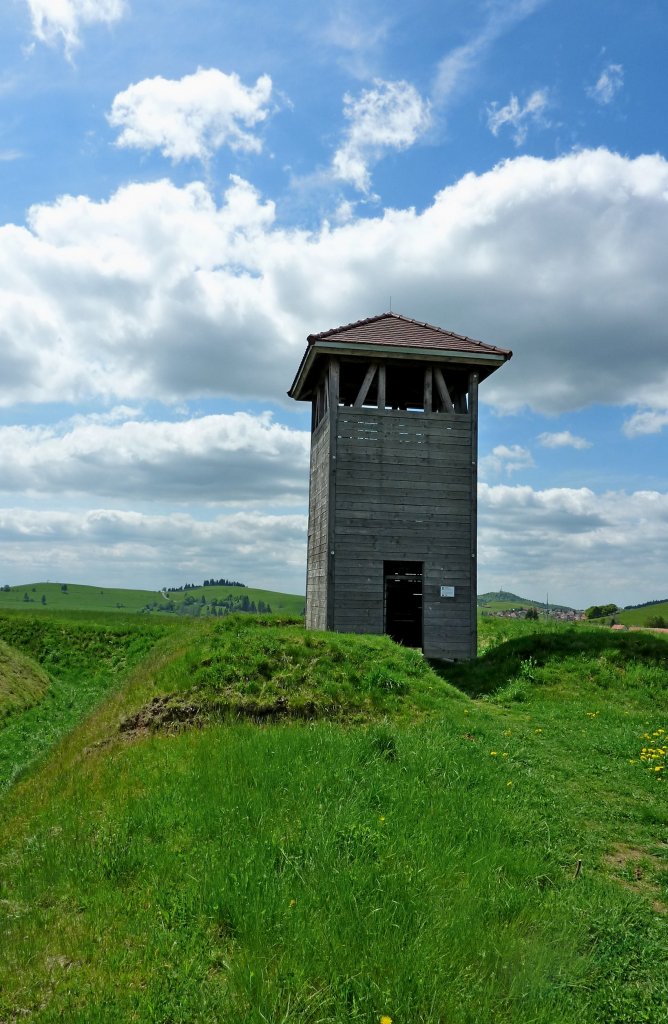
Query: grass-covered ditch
[(53, 671), (259, 824)]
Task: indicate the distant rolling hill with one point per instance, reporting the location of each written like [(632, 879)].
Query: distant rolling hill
[(502, 600), (195, 601), (643, 616)]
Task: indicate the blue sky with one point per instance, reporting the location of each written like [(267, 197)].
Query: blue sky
[(188, 190)]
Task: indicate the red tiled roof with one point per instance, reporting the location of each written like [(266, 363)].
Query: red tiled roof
[(394, 329)]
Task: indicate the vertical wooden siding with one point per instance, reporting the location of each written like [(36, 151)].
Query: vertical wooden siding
[(403, 491), (318, 529)]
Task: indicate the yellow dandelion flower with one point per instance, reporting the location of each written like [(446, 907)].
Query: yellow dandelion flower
[(385, 1020), (505, 753), (493, 753)]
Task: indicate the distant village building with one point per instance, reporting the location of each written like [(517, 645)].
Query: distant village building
[(556, 614), (392, 503)]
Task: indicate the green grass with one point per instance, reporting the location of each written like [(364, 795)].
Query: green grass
[(22, 681), (265, 669), (67, 665), (28, 597), (75, 598), (421, 854), (642, 616)]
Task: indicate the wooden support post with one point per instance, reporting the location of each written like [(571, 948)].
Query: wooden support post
[(443, 390), (427, 388), (333, 384), (366, 384), (381, 388)]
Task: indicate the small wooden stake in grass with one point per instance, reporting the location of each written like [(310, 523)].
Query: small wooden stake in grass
[(578, 869)]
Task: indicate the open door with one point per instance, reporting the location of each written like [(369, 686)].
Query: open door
[(403, 602)]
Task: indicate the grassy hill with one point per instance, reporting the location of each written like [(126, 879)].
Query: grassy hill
[(75, 597), (642, 616), (258, 824), (281, 604), (503, 600)]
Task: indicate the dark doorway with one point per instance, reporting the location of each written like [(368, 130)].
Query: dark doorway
[(403, 602)]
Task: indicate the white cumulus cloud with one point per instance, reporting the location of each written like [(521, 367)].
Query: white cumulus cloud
[(518, 116), (162, 291), (193, 116), (101, 544), (648, 421), (54, 20), (581, 547), (391, 115), (563, 439), (221, 459), (506, 459)]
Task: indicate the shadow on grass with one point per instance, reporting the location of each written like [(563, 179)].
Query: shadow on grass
[(494, 669)]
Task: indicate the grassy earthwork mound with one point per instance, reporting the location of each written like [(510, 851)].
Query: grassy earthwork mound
[(242, 821)]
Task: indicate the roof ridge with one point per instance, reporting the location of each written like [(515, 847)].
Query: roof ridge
[(355, 323), (321, 335)]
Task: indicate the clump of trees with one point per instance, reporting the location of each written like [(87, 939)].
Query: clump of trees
[(657, 622), (599, 611), (532, 613), (223, 583), (207, 583)]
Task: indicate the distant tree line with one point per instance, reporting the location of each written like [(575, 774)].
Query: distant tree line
[(629, 607), (217, 606), (207, 583), (222, 583)]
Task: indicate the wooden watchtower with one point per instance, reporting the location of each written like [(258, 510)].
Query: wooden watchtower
[(392, 498)]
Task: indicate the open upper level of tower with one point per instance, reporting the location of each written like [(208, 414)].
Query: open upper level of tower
[(392, 362)]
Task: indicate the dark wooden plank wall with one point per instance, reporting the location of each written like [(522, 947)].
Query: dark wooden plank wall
[(403, 491), (318, 529)]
